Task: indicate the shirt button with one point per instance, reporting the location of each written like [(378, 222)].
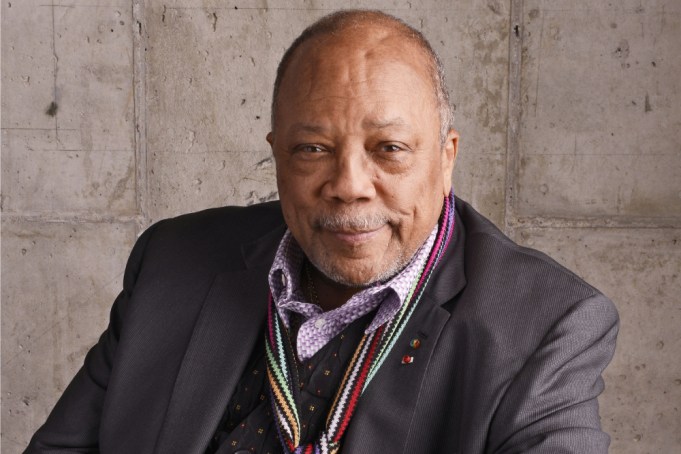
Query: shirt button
[(319, 323)]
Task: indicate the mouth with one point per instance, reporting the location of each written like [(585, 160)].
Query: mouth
[(352, 229), (354, 237)]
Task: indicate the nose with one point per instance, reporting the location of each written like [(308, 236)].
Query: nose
[(351, 178)]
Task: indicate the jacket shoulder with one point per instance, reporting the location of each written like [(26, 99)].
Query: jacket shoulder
[(240, 223), (211, 239), (510, 286), (492, 253)]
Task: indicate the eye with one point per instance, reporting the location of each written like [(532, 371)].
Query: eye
[(309, 148), (391, 147), (392, 156)]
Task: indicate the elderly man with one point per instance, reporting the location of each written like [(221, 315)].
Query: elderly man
[(368, 311)]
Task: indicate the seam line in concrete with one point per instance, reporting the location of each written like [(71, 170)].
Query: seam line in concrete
[(36, 129), (611, 222), (61, 5), (55, 61), (539, 48), (139, 47), (514, 111), (79, 150), (71, 218)]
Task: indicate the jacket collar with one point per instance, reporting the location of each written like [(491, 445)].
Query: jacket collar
[(449, 277)]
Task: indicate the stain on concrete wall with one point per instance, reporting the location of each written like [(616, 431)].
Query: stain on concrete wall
[(118, 114)]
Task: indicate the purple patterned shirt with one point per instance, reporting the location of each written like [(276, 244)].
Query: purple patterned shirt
[(319, 327)]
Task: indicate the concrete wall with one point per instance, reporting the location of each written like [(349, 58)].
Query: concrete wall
[(118, 113)]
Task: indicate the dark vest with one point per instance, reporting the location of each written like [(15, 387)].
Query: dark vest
[(248, 425)]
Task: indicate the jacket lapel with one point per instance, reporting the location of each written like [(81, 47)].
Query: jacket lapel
[(225, 334), (384, 416)]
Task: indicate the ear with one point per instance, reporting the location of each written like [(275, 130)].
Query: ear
[(448, 157)]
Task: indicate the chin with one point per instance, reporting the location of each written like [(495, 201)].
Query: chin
[(358, 278)]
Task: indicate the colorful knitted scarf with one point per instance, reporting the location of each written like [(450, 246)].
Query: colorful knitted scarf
[(373, 348)]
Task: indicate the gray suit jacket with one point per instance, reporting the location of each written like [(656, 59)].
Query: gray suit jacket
[(513, 346)]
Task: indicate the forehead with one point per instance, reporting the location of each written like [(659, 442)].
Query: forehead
[(369, 58)]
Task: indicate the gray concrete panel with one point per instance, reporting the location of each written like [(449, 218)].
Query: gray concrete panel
[(95, 82), (479, 179), (68, 126), (601, 110), (28, 67), (640, 270), (59, 281), (80, 59), (209, 180), (210, 78), (38, 178)]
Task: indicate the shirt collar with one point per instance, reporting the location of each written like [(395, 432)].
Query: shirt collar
[(285, 273)]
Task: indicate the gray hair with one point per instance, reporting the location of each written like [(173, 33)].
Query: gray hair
[(338, 21)]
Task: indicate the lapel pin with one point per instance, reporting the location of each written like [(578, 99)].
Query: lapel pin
[(415, 343), (407, 359)]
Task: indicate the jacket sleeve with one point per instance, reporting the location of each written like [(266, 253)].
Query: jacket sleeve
[(73, 424), (551, 404)]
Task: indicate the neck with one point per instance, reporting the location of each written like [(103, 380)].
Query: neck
[(330, 294)]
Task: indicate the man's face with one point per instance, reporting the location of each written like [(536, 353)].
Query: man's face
[(360, 168)]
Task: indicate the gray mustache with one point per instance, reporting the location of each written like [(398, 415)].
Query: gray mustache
[(346, 221)]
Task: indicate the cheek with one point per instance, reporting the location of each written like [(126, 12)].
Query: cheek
[(295, 206), (422, 199), (289, 185)]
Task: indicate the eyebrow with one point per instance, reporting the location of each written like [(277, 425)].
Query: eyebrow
[(307, 127), (383, 124), (367, 124)]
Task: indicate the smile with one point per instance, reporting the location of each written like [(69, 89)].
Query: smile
[(355, 237)]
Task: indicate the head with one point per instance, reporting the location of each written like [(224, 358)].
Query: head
[(363, 144), (347, 19)]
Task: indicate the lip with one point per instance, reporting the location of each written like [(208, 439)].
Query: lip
[(355, 237)]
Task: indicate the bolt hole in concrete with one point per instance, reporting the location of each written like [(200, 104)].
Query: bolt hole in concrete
[(52, 109)]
